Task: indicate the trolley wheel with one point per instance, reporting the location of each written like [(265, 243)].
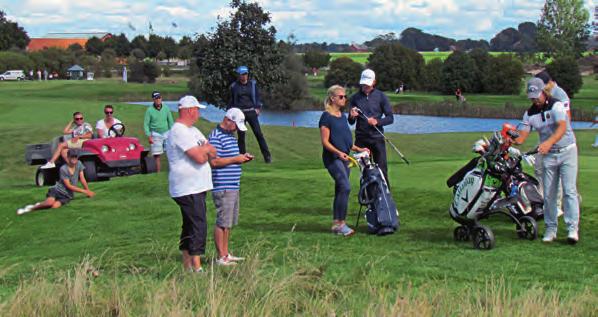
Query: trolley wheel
[(528, 228), (483, 238), (461, 233)]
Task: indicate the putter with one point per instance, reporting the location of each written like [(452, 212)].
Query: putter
[(385, 138)]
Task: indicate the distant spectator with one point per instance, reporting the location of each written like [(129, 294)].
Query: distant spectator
[(103, 125), (63, 192), (45, 74), (31, 74), (158, 120), (459, 95), (593, 123), (39, 75)]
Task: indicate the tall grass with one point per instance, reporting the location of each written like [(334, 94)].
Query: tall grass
[(257, 288)]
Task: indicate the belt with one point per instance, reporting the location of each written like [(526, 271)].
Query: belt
[(562, 149), (248, 109)]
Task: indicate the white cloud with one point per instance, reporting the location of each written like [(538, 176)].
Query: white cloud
[(180, 12)]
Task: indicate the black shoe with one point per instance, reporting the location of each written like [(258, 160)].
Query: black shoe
[(268, 159)]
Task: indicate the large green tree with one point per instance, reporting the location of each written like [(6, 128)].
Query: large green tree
[(316, 59), (565, 71), (563, 28), (245, 38), (343, 71), (11, 34), (394, 65), (458, 71)]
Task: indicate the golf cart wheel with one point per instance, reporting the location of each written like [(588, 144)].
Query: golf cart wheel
[(528, 229), (45, 177), (483, 238), (461, 233), (148, 164), (90, 170)]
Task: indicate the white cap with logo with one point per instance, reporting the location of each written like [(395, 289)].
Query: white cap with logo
[(367, 77), (190, 102), (238, 117)]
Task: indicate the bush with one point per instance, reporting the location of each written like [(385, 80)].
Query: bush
[(394, 65), (343, 71), (316, 59), (565, 72), (12, 60), (504, 75), (431, 76), (481, 59), (458, 71), (293, 92), (144, 71), (138, 53)]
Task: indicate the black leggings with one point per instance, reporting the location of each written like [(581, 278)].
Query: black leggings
[(252, 119), (378, 150)]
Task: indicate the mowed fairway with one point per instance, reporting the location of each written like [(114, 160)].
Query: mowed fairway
[(129, 231)]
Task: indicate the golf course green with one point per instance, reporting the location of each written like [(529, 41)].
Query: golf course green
[(116, 254)]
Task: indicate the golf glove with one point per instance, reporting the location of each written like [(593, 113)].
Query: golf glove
[(479, 146)]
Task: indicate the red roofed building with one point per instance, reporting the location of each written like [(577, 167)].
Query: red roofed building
[(64, 40)]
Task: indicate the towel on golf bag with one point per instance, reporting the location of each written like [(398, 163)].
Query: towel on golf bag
[(381, 215)]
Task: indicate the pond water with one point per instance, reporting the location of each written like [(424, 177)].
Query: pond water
[(408, 124)]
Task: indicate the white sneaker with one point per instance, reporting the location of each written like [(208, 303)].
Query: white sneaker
[(48, 165), (224, 261), (234, 258), (572, 237), (549, 236), (559, 212), (24, 210)]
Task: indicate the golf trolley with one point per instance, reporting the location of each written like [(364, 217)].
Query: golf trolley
[(494, 183), (382, 215)]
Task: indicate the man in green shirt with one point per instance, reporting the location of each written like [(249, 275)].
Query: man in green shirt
[(158, 120)]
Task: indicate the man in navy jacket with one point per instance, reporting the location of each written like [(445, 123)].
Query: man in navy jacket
[(373, 105), (245, 96)]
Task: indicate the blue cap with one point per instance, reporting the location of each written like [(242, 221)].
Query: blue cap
[(242, 70)]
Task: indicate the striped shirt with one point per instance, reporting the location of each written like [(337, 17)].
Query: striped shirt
[(227, 177)]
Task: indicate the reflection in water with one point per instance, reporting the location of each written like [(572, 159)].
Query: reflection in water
[(407, 124)]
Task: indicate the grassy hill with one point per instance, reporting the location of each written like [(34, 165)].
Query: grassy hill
[(129, 232)]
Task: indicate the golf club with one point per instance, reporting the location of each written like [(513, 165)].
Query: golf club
[(385, 138)]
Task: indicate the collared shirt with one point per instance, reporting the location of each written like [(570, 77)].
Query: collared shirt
[(157, 120), (375, 105), (227, 177), (545, 120)]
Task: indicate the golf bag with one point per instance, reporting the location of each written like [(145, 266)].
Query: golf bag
[(381, 214)]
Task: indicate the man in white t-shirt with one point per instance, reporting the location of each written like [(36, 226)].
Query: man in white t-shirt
[(189, 178), (103, 126)]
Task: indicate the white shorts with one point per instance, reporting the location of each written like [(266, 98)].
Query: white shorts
[(157, 147)]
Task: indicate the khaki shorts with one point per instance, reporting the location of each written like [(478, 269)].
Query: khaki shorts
[(227, 208), (75, 145)]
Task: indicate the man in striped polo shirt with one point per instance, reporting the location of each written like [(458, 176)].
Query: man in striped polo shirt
[(226, 177)]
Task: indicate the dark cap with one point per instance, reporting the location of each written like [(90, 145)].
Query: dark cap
[(545, 76), (73, 153), (156, 95)]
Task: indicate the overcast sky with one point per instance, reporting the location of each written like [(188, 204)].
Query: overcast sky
[(338, 21)]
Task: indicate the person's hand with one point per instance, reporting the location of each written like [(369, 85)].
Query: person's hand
[(212, 153), (244, 158), (353, 113), (150, 140), (344, 156), (372, 121), (257, 111), (363, 149), (544, 147), (90, 194)]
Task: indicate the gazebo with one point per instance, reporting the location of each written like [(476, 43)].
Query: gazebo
[(75, 72)]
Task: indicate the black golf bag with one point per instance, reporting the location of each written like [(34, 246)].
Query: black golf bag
[(381, 214)]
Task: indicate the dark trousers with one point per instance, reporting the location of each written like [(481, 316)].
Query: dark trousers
[(195, 227), (339, 170), (252, 119), (378, 150)]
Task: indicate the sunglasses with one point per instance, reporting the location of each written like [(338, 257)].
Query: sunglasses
[(78, 119), (108, 112), (341, 97)]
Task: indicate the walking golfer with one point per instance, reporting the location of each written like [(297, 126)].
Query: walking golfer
[(226, 178), (189, 178), (245, 96), (373, 105), (559, 157), (158, 120)]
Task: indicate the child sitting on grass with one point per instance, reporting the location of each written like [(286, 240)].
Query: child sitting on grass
[(61, 193)]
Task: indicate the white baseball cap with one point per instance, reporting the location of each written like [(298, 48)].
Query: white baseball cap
[(189, 102), (367, 77), (238, 117)]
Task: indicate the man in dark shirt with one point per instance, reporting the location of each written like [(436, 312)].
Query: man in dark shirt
[(373, 105), (245, 96)]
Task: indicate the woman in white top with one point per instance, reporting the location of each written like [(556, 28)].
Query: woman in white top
[(104, 125)]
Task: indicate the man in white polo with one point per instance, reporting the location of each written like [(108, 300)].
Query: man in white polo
[(189, 179)]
